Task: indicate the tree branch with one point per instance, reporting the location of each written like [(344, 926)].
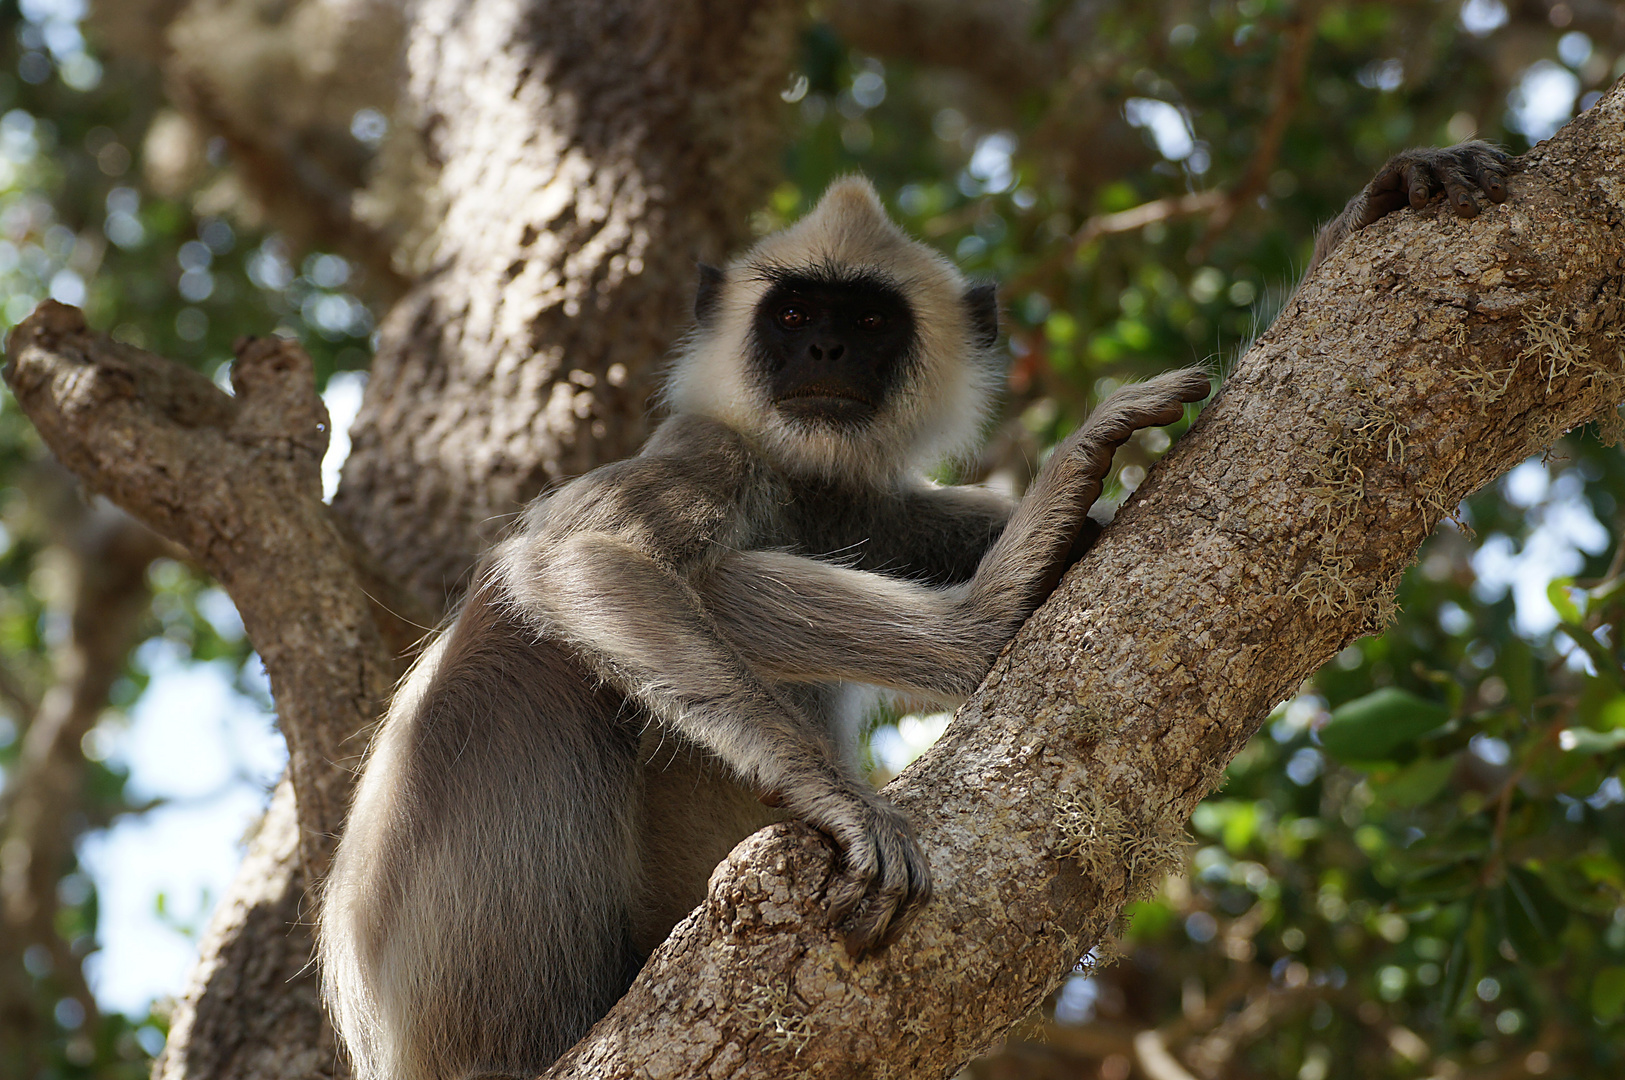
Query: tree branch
[(1427, 357), (993, 41), (1286, 86), (236, 481)]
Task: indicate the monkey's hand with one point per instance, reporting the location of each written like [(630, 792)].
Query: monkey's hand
[(1413, 177), (882, 877)]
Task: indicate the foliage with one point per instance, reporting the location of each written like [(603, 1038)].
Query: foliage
[(1418, 869)]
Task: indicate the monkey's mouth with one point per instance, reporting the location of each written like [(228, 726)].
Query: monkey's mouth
[(825, 403)]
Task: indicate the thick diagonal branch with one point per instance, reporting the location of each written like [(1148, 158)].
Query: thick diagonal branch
[(1425, 358)]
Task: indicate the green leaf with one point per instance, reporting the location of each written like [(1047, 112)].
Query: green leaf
[(1148, 920), (1415, 784), (1444, 883), (1563, 600), (1532, 918), (1459, 965), (1236, 822), (1371, 728), (1241, 827), (1608, 994), (1612, 715)]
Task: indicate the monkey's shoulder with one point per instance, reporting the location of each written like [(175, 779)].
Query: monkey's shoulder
[(696, 483)]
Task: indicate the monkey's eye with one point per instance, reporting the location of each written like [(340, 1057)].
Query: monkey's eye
[(792, 317), (872, 321)]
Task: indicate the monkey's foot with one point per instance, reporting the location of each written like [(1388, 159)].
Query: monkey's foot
[(1157, 401), (1414, 177)]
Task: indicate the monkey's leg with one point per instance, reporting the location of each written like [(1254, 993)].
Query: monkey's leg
[(644, 629), (1025, 564)]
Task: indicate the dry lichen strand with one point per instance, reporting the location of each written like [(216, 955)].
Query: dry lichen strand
[(1373, 431), (1550, 343), (1092, 721), (783, 1028), (1102, 838), (1091, 831), (1325, 589), (1484, 386), (1108, 951)]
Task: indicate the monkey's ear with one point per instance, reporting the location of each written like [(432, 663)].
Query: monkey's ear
[(982, 305), (708, 295)]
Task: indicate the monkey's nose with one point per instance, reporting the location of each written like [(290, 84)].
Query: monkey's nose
[(826, 350)]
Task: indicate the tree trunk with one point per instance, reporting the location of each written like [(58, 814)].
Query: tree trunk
[(588, 153), (1427, 357)]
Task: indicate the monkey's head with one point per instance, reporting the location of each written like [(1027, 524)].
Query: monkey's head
[(841, 345)]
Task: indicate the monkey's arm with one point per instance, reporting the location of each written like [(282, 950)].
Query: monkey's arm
[(1412, 177), (798, 619), (644, 629)]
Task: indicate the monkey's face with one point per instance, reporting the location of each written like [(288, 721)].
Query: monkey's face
[(841, 346), (832, 352)]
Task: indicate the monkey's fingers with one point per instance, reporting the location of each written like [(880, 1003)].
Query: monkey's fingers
[(883, 878), (902, 889), (1190, 385), (1415, 176), (1489, 167), (1153, 403), (1419, 181), (1458, 179), (1460, 198), (919, 895), (857, 866), (1385, 194)]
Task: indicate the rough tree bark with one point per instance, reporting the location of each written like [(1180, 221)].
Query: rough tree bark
[(1427, 357), (587, 153)]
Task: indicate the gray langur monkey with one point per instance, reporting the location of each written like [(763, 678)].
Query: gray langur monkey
[(660, 653), (663, 647)]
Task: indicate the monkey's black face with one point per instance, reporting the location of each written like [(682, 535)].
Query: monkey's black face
[(833, 352)]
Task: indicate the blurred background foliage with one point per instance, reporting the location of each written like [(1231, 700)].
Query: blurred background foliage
[(1416, 870)]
